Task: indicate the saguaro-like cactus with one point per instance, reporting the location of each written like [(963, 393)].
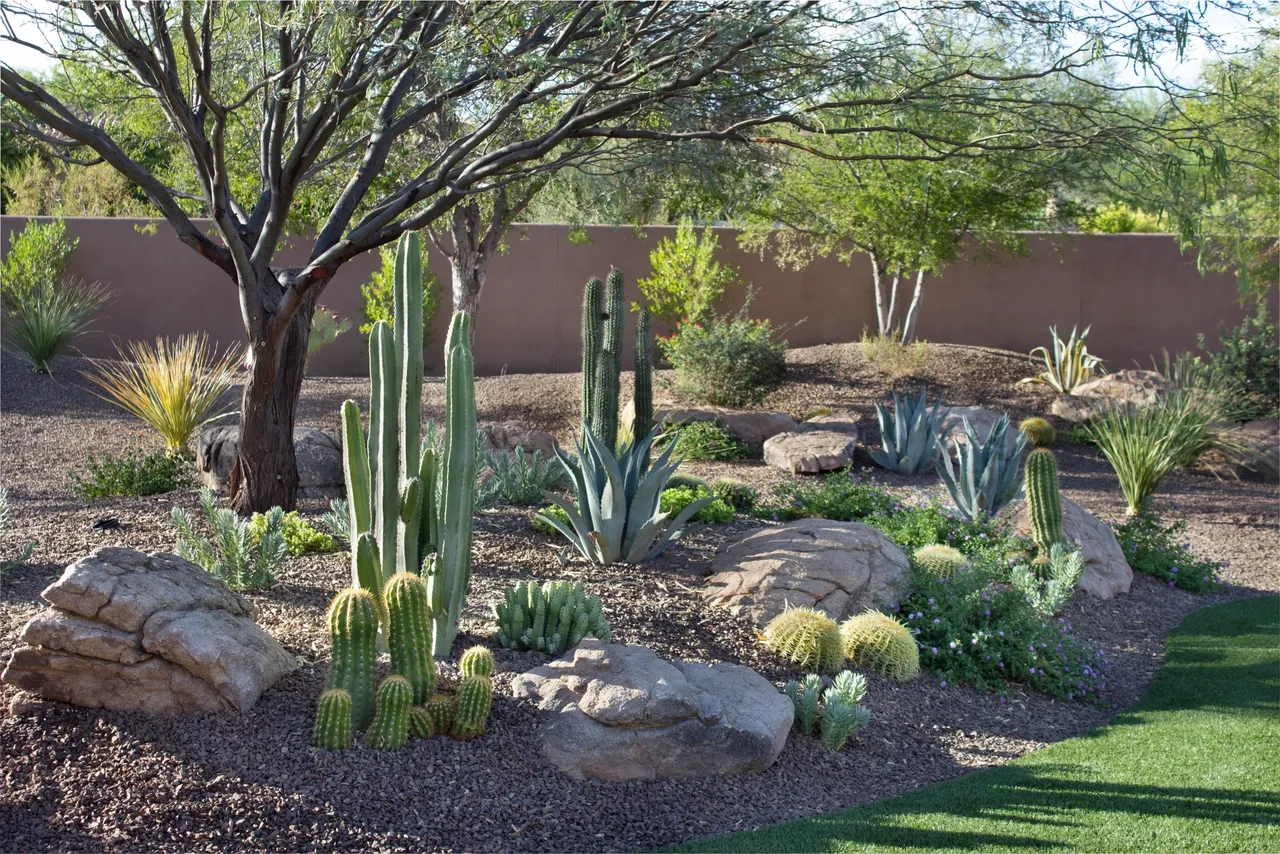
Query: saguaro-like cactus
[(475, 696), (643, 398), (1044, 506), (410, 641), (353, 630), (390, 727), (333, 721), (604, 413), (603, 324), (592, 336)]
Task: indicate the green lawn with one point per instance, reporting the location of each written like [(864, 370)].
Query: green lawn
[(1194, 767)]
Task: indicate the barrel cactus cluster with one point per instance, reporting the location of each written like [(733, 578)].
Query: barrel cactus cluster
[(550, 618)]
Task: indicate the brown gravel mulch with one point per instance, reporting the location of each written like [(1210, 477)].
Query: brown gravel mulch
[(76, 779)]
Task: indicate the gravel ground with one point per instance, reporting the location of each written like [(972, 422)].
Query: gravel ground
[(75, 779)]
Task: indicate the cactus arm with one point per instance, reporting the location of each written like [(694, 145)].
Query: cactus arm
[(409, 527), (592, 332), (355, 470), (428, 473), (385, 464), (642, 397), (408, 342)]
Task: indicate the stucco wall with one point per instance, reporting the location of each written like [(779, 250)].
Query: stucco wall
[(1139, 294)]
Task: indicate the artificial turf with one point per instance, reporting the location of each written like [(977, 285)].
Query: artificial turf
[(1194, 767)]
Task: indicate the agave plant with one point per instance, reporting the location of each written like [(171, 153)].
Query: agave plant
[(909, 437), (986, 476), (1069, 366), (618, 517)]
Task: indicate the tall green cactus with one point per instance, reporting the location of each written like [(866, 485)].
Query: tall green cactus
[(333, 721), (592, 336), (604, 412), (603, 323), (390, 727), (353, 630), (475, 696), (1044, 506), (409, 619), (643, 395)]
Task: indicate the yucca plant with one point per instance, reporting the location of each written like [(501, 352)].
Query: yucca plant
[(1069, 366), (909, 437), (232, 554), (986, 476), (172, 386), (617, 517), (42, 323)]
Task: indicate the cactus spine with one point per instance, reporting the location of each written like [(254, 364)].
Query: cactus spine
[(592, 337), (475, 696), (643, 395), (1044, 507), (353, 629), (410, 622), (390, 727), (476, 661), (333, 721)]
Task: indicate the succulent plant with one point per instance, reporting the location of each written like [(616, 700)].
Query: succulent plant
[(550, 618), (420, 723), (878, 642), (942, 561), (441, 709), (1069, 366), (1044, 504), (986, 476), (738, 495), (1048, 587), (333, 721), (842, 711), (805, 695), (353, 631), (603, 320), (1039, 432), (476, 661), (909, 437), (807, 638), (475, 696), (409, 618), (390, 727)]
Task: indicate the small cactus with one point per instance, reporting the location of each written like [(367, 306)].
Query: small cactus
[(333, 721), (441, 709), (390, 727), (878, 642), (807, 638), (1044, 505), (1040, 432), (475, 696), (841, 719), (942, 561), (476, 661), (410, 636), (550, 618), (420, 723), (353, 630), (805, 696)]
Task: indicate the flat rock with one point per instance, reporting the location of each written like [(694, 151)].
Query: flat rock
[(750, 426), (1106, 572), (838, 421), (146, 632), (811, 451), (617, 712), (319, 458), (841, 568), (509, 435), (1131, 387)]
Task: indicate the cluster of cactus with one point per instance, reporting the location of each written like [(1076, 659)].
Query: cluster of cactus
[(839, 708), (410, 508), (1050, 584), (878, 642), (550, 618), (986, 476), (942, 561), (908, 436), (1039, 433), (807, 638), (603, 316)]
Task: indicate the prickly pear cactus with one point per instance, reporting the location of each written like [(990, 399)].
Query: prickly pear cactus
[(333, 721), (390, 727), (807, 638)]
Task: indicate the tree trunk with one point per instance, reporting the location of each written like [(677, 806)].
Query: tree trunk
[(265, 473), (469, 269), (913, 311)]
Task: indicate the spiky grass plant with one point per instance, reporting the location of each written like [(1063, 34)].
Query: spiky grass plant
[(1069, 366), (805, 696), (41, 324), (878, 642), (338, 520), (1039, 432), (807, 638), (942, 561), (171, 385), (887, 352), (1047, 590), (231, 553)]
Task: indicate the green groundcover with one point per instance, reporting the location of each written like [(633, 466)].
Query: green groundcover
[(1194, 767)]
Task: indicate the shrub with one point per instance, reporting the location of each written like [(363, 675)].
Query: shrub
[(973, 628), (1069, 366), (843, 496), (878, 642), (550, 618), (1152, 547), (338, 520), (379, 295), (172, 386), (36, 262), (1051, 587), (1080, 434), (521, 478), (887, 352), (913, 526), (807, 638), (300, 536), (130, 474), (731, 360), (675, 499), (738, 495), (25, 551), (541, 525), (1119, 218), (41, 324), (232, 554), (326, 326), (909, 438), (703, 440), (1249, 360), (687, 281)]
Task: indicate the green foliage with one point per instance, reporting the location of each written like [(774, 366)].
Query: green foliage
[(1044, 503), (974, 628), (471, 713), (333, 721), (909, 437), (379, 295), (687, 281), (390, 727), (326, 326), (521, 478), (550, 618), (353, 634), (738, 495), (676, 498), (842, 711), (1248, 360), (1158, 549), (878, 642), (987, 476), (338, 520), (925, 524), (731, 360), (844, 496), (1079, 434), (1069, 366), (41, 324), (476, 661), (36, 262), (131, 474), (25, 551), (242, 561), (1039, 433), (806, 696), (541, 525), (807, 638), (1119, 218), (300, 537), (942, 561), (886, 351), (409, 633), (703, 440), (1048, 590)]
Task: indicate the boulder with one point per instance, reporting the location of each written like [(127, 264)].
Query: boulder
[(146, 632), (838, 421), (617, 712), (1253, 446), (509, 435), (1106, 572), (811, 451), (1130, 387), (319, 460), (980, 418), (750, 426), (841, 568)]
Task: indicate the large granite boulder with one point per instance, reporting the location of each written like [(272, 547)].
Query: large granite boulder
[(319, 460), (750, 426), (1131, 387), (509, 435), (811, 451), (616, 712), (146, 632), (841, 568), (1106, 572)]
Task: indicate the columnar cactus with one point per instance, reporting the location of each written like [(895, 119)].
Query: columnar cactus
[(592, 337), (420, 723), (604, 411), (333, 721), (549, 618), (410, 629), (475, 696), (643, 394), (390, 727), (1044, 507), (476, 661), (603, 321), (353, 630), (441, 709)]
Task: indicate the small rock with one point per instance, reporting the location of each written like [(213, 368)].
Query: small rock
[(1130, 387), (509, 435), (811, 452)]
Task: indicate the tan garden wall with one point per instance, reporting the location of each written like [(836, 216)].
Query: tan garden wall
[(1136, 291)]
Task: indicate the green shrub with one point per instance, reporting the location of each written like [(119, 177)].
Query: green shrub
[(1152, 547), (41, 324), (731, 360), (519, 477), (300, 536), (36, 262), (131, 474), (1080, 434), (703, 440), (379, 301), (1050, 581), (541, 525), (675, 499), (1119, 218), (843, 496), (687, 281), (1249, 361), (735, 493), (913, 526)]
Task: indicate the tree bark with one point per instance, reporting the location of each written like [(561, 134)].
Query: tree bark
[(913, 311)]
